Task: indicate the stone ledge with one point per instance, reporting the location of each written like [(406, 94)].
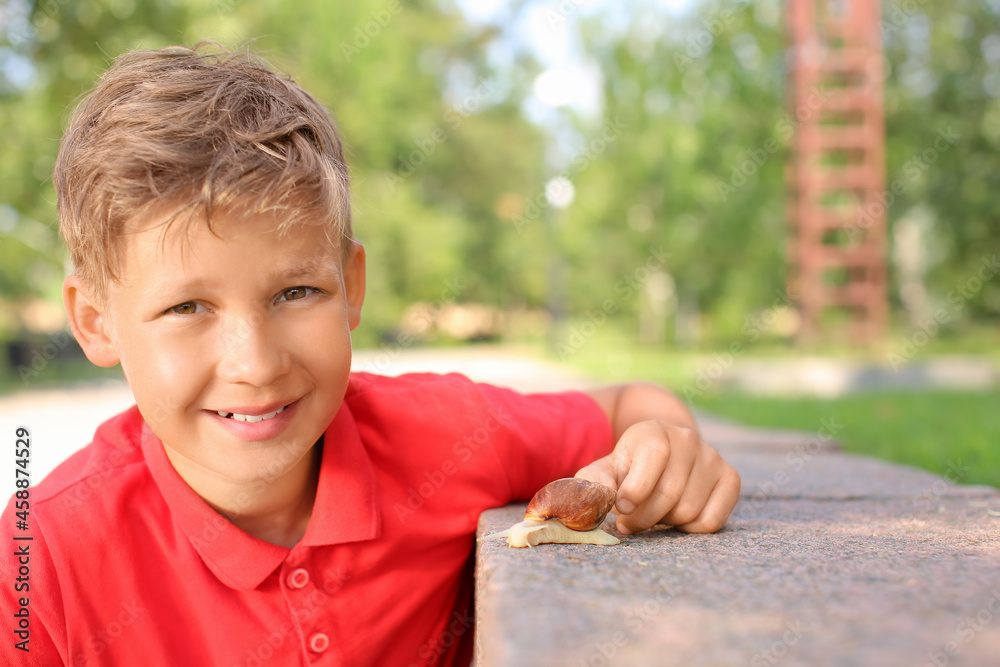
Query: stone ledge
[(840, 476), (885, 577)]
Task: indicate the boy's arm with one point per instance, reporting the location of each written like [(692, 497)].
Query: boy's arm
[(660, 467)]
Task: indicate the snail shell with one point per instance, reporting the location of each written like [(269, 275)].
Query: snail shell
[(566, 511), (577, 503)]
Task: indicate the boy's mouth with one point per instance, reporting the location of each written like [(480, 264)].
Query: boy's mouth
[(253, 419)]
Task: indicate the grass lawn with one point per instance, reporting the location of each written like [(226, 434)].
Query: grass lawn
[(938, 431), (931, 429)]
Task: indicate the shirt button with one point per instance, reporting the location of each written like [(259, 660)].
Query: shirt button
[(298, 578), (319, 642)]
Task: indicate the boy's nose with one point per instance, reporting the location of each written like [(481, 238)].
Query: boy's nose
[(252, 352)]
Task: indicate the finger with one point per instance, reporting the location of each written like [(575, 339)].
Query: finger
[(719, 506), (669, 488), (648, 453), (705, 474), (601, 471)]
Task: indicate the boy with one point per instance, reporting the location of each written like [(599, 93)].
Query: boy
[(255, 506)]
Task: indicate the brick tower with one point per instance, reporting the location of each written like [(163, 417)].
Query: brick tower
[(836, 169)]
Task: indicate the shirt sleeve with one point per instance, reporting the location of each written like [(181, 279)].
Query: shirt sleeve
[(545, 436), (29, 596)]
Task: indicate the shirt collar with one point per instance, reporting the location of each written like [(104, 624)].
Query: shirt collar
[(344, 510)]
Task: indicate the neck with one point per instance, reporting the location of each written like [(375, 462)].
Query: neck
[(276, 511)]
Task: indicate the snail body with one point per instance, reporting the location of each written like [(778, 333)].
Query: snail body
[(566, 511)]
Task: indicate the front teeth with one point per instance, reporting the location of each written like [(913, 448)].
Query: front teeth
[(253, 419)]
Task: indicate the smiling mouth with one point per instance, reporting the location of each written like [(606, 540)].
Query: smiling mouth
[(253, 419)]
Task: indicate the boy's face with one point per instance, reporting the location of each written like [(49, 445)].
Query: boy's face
[(237, 347)]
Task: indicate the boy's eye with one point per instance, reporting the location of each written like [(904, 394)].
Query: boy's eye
[(186, 308), (295, 293)]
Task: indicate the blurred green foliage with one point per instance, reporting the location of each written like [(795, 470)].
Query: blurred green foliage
[(448, 172), (706, 92), (429, 157)]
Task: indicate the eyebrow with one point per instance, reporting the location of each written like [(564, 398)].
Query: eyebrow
[(310, 267), (304, 269)]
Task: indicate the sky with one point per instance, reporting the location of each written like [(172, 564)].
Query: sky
[(550, 31)]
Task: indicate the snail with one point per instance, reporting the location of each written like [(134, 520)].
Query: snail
[(566, 511)]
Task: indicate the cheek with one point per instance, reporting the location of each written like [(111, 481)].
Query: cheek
[(164, 377), (321, 341), (322, 349)]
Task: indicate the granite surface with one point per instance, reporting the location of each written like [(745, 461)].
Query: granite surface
[(828, 559)]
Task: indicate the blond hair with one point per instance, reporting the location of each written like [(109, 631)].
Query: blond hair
[(195, 131)]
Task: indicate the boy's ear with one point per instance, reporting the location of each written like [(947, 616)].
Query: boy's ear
[(88, 323), (354, 282)]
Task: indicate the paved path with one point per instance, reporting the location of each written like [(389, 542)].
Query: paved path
[(832, 376)]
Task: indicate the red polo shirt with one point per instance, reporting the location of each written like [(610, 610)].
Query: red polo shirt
[(128, 566)]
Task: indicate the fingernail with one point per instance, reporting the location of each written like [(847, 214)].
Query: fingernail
[(625, 506)]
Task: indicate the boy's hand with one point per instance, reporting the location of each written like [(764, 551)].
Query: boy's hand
[(661, 470)]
